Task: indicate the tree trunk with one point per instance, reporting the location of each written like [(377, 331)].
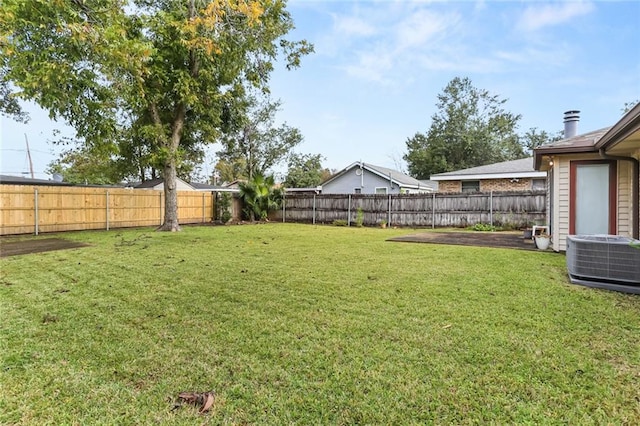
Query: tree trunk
[(170, 185), (170, 197), (170, 180)]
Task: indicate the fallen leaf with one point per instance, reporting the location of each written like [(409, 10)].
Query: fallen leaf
[(202, 399), (208, 402)]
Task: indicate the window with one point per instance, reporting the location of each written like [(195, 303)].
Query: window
[(539, 185), (357, 191), (381, 190), (470, 186), (592, 197)]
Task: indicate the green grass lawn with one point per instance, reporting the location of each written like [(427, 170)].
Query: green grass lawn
[(309, 325)]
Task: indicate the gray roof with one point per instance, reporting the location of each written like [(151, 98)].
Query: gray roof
[(585, 142), (523, 165), (433, 184), (147, 183), (198, 185), (19, 180), (401, 178)]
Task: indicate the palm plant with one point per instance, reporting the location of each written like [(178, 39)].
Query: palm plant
[(260, 196)]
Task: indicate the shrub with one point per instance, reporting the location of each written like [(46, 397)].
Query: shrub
[(224, 206), (359, 217), (340, 222), (483, 227)]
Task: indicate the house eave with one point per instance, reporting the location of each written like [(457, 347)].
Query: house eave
[(624, 129), (551, 151)]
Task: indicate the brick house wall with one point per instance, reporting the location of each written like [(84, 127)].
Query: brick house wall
[(449, 186), (488, 185)]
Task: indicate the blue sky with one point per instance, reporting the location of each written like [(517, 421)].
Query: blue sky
[(379, 66)]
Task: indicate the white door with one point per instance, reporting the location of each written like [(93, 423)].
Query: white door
[(592, 199)]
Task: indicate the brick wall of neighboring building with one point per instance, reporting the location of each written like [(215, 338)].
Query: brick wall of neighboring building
[(488, 185), (505, 185), (449, 186)]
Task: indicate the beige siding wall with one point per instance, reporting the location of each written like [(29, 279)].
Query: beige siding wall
[(625, 220)]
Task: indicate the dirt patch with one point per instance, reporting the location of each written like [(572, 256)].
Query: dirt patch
[(15, 248), (481, 239)]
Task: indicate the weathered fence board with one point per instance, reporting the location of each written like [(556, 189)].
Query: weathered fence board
[(26, 209), (513, 209)]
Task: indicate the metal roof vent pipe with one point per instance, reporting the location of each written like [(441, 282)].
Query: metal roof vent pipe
[(571, 119)]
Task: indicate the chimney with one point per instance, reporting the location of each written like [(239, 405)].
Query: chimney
[(571, 119)]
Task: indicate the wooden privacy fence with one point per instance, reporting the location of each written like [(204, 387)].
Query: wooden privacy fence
[(514, 209), (26, 209)]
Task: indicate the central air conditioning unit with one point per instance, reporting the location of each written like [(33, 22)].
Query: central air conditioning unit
[(604, 261)]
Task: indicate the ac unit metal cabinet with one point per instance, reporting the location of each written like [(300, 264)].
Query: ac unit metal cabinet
[(610, 260)]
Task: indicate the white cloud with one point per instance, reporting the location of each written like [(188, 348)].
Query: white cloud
[(352, 26), (394, 43), (390, 38), (423, 26), (372, 66), (539, 16)]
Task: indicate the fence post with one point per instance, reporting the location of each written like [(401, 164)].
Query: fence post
[(491, 208), (107, 210), (160, 208), (35, 206), (349, 211), (214, 206), (389, 218), (284, 208), (314, 209), (433, 211), (203, 215)]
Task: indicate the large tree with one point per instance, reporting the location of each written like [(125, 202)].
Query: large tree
[(253, 139), (305, 171), (471, 128), (164, 68), (229, 171)]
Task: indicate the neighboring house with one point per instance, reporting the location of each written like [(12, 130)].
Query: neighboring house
[(17, 180), (364, 178), (159, 184), (304, 191), (515, 175), (593, 180)]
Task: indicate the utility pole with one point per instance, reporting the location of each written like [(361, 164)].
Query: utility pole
[(29, 156)]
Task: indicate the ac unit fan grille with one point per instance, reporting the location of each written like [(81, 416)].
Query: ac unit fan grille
[(610, 258)]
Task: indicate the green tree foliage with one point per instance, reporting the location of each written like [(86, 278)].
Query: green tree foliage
[(260, 196), (163, 70), (125, 161), (534, 138), (471, 128), (253, 139), (628, 106), (9, 104), (305, 171), (79, 166), (230, 170)]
